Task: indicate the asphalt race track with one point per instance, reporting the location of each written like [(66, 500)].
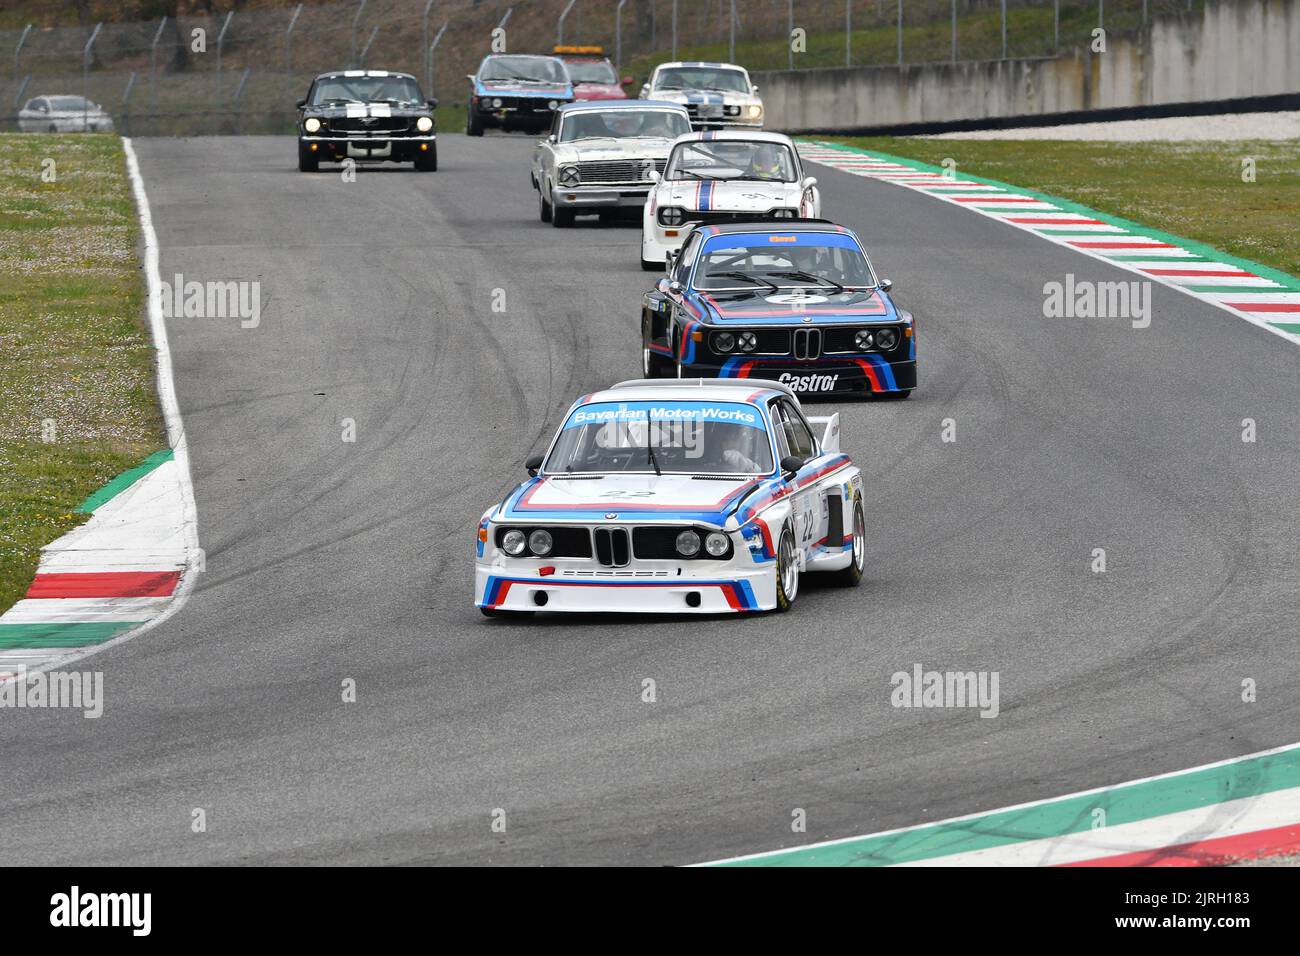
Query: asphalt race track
[(329, 560)]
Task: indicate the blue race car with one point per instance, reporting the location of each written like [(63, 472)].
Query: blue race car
[(795, 302), (516, 91)]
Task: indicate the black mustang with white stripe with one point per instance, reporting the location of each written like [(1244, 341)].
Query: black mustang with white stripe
[(366, 116)]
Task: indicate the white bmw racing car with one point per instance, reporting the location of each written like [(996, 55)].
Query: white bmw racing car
[(675, 496), (724, 177)]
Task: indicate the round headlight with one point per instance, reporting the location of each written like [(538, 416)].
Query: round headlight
[(748, 341), (311, 124), (424, 124), (688, 544), (552, 104), (672, 215), (755, 111), (723, 342), (886, 339), (716, 544), (539, 542), (569, 176), (862, 340), (496, 103), (514, 543)]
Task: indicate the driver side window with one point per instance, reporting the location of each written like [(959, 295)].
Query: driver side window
[(797, 435)]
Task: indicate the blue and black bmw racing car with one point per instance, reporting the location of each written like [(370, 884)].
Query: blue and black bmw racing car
[(795, 302)]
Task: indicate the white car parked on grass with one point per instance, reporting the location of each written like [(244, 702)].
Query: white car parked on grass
[(63, 114), (599, 156), (717, 95), (725, 177), (675, 496)]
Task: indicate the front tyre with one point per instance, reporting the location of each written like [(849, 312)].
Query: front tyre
[(308, 162), (562, 217), (787, 571), (850, 577), (473, 125)]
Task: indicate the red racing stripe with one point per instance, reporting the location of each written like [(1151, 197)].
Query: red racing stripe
[(1215, 852), (1266, 306), (105, 584)]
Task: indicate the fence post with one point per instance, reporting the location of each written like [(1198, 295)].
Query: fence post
[(731, 45), (954, 31), (618, 38), (1004, 29), (848, 32), (559, 24), (18, 50), (1056, 26), (356, 19), (900, 32), (424, 37), (674, 29), (239, 96), (288, 48), (153, 66), (85, 70), (433, 46), (221, 42)]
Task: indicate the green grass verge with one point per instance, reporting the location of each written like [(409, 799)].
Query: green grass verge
[(78, 359), (1193, 189)]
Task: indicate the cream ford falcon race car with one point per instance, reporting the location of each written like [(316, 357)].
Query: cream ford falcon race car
[(724, 177), (683, 496), (599, 156), (718, 95)]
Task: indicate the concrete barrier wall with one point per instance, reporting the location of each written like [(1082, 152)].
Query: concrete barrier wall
[(1231, 50)]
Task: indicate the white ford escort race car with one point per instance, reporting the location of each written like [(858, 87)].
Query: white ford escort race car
[(717, 95), (675, 496), (724, 177)]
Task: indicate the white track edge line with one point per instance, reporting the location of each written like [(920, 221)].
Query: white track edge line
[(171, 417)]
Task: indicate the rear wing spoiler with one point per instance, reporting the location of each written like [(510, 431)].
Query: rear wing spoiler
[(830, 439)]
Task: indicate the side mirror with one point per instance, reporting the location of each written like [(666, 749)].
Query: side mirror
[(551, 138), (810, 182), (432, 103), (754, 90), (790, 466), (301, 104), (675, 287), (626, 81), (533, 463), (886, 285), (653, 176)]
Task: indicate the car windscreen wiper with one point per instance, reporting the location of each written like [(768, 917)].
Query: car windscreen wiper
[(649, 446), (808, 277), (757, 280)]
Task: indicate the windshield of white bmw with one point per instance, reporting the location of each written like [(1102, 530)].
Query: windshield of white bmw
[(623, 124), (523, 69), (591, 71), (733, 159), (705, 78), (343, 90), (668, 437), (764, 266)]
